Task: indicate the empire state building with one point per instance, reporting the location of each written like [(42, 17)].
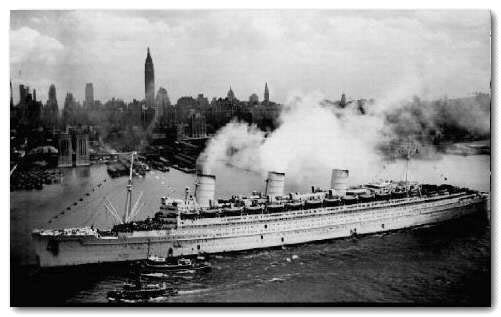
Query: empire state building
[(149, 80)]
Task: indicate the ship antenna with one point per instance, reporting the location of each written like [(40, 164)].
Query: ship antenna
[(411, 148), (128, 200)]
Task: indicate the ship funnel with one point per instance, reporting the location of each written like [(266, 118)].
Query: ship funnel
[(275, 184), (201, 166), (205, 188), (339, 181)]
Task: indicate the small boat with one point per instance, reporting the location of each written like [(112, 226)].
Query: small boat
[(251, 210), (332, 201), (294, 205), (275, 208), (365, 197), (350, 199), (383, 196), (313, 203), (211, 213), (140, 291), (173, 264), (232, 211)]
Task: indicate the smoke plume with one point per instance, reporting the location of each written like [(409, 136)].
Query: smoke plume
[(310, 138), (314, 136)]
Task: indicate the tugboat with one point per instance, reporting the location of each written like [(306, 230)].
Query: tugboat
[(133, 292), (173, 264)]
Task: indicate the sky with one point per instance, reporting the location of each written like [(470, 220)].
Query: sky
[(365, 54)]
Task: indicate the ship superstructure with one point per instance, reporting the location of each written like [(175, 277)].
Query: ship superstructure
[(199, 223)]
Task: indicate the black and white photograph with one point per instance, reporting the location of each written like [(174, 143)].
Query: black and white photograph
[(250, 157)]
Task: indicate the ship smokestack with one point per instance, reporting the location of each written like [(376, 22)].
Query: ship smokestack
[(275, 184), (339, 181), (201, 165), (205, 188)]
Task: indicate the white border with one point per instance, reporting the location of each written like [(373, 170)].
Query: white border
[(193, 4)]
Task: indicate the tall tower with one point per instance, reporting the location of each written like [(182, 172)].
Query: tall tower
[(51, 110), (266, 93), (230, 95), (161, 103), (342, 102), (89, 95), (149, 81)]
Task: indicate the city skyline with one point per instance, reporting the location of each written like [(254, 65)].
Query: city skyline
[(413, 52)]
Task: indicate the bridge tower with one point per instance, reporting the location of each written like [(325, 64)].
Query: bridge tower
[(82, 149), (65, 150)]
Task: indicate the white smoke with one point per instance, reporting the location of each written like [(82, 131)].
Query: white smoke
[(311, 140)]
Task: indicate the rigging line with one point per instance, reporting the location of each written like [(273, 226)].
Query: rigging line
[(138, 211), (133, 211), (111, 209), (111, 212), (110, 204)]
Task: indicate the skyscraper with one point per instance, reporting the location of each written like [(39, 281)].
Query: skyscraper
[(342, 103), (266, 93), (51, 110), (149, 81), (230, 95), (89, 95), (52, 95), (23, 94), (161, 103), (254, 99)]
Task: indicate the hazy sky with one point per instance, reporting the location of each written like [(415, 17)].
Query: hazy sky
[(363, 53)]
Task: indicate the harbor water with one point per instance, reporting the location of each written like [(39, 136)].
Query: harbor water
[(447, 264)]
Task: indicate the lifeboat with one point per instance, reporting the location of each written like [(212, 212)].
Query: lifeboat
[(382, 196), (365, 197), (167, 217), (275, 208), (212, 213), (251, 210), (294, 205), (232, 211), (313, 204), (398, 194), (414, 193), (332, 201), (189, 215), (349, 200)]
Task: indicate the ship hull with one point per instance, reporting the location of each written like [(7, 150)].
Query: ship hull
[(276, 232)]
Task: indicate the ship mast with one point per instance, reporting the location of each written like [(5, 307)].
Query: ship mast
[(411, 149), (128, 200)]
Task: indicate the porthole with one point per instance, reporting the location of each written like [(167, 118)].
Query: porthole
[(261, 237), (282, 239)]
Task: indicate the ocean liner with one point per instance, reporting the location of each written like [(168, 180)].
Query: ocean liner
[(200, 224)]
